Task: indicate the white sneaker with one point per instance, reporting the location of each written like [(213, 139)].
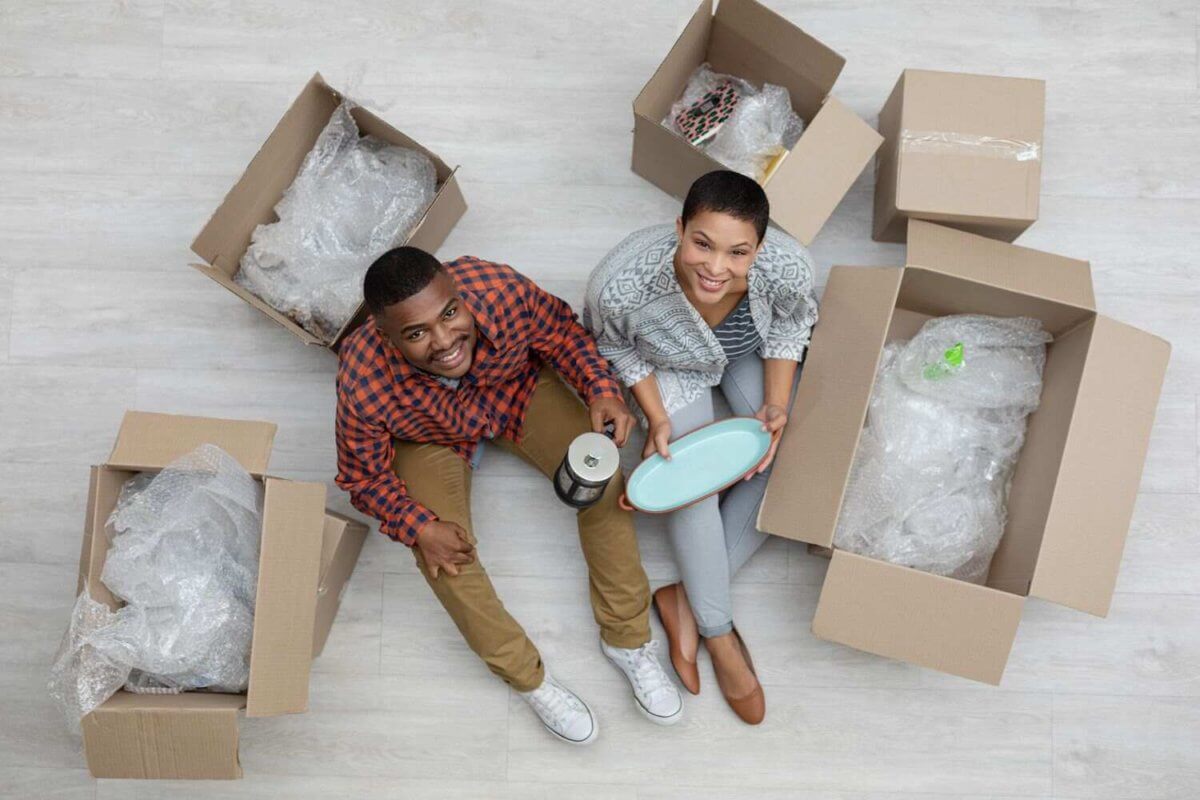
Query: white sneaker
[(655, 693), (562, 712)]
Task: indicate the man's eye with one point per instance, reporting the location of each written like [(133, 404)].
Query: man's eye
[(412, 337), (450, 312)]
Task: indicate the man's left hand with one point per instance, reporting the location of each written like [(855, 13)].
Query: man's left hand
[(773, 419), (612, 410)]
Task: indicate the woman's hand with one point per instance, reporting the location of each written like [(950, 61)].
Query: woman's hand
[(773, 419), (658, 436)]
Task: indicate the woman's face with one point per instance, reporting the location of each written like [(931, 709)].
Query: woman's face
[(714, 256)]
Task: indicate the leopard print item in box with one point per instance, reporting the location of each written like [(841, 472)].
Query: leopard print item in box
[(699, 122)]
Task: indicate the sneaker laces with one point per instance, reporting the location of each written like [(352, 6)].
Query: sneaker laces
[(649, 676), (553, 702)]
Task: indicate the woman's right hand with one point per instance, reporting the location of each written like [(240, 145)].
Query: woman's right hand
[(658, 436)]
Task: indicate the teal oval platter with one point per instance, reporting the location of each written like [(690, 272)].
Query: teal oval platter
[(703, 462)]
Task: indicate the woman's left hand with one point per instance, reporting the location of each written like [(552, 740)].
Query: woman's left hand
[(773, 419)]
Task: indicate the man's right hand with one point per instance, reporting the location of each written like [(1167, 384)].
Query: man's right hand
[(444, 546)]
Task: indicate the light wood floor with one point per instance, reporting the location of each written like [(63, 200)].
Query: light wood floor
[(122, 124)]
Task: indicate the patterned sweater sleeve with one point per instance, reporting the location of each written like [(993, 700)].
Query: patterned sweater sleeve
[(793, 305), (613, 327)]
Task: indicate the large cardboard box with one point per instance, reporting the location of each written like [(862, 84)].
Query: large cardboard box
[(962, 150), (251, 201), (195, 734), (746, 39), (1074, 485)]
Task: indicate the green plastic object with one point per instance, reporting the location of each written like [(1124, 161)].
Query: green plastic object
[(703, 462), (951, 361)]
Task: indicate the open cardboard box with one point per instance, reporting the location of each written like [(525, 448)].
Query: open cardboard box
[(303, 548), (251, 202), (962, 150), (1074, 485), (750, 41)]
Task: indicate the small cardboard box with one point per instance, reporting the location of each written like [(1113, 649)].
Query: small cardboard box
[(251, 202), (962, 150), (750, 41), (1074, 485), (195, 734)]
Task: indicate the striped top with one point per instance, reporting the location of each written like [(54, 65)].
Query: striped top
[(736, 333)]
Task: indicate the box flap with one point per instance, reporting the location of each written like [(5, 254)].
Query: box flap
[(753, 42), (252, 199), (186, 736), (285, 608), (1009, 266), (924, 619), (667, 82), (817, 174), (152, 441), (341, 545), (1101, 467), (808, 479)]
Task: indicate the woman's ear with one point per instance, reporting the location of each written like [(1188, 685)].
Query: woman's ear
[(679, 228)]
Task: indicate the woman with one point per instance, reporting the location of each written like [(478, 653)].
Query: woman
[(715, 301)]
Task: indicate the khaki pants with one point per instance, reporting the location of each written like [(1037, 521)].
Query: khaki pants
[(620, 594)]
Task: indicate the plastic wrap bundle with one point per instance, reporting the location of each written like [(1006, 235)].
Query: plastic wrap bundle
[(944, 428), (184, 558), (740, 126), (353, 199)]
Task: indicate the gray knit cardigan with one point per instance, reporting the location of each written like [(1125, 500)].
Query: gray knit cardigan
[(644, 323)]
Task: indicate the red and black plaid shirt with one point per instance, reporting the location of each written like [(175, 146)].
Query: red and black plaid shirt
[(381, 396)]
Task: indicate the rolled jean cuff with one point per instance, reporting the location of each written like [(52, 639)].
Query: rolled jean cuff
[(716, 630)]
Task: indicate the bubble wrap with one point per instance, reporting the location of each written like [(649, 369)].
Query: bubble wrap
[(944, 429), (761, 126), (184, 559), (353, 199)]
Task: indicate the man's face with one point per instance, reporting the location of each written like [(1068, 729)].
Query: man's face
[(433, 329)]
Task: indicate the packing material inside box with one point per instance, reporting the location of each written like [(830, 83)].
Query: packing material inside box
[(194, 734), (354, 199), (1075, 481), (338, 245), (746, 40), (183, 561), (961, 150)]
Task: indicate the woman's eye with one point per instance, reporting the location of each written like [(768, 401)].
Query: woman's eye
[(702, 245), (739, 253)]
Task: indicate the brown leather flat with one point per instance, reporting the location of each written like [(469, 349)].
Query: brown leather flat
[(751, 708), (683, 639)]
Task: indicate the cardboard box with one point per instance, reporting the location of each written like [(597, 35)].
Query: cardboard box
[(1074, 485), (750, 41), (251, 201), (195, 734), (962, 150)]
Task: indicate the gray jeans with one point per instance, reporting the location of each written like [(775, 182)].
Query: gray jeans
[(712, 539)]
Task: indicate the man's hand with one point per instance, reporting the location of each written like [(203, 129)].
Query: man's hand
[(612, 410), (444, 546), (657, 439), (773, 419)]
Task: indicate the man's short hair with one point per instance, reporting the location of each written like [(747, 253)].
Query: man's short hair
[(397, 275), (732, 193)]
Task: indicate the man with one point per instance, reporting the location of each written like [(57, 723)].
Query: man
[(451, 355)]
